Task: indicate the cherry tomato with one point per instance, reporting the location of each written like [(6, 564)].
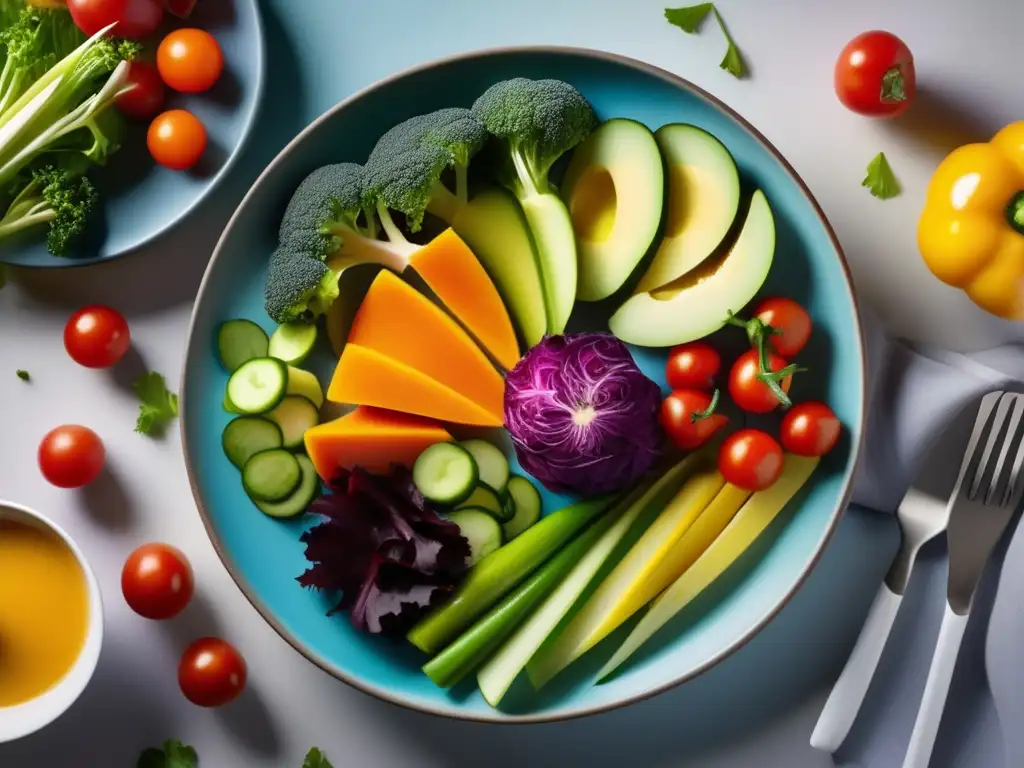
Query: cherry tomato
[(189, 60), (211, 673), (71, 456), (790, 321), (157, 582), (146, 96), (135, 19), (97, 336), (176, 139), (750, 459), (810, 429), (677, 418), (749, 392), (692, 366), (875, 75)]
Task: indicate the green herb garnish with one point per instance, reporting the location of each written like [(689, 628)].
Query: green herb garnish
[(173, 755), (23, 375), (316, 759), (690, 18), (158, 406), (880, 179)]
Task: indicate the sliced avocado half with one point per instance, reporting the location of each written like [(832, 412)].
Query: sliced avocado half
[(703, 200), (699, 303), (614, 189)]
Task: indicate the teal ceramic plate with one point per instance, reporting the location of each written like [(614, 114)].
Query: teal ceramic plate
[(141, 200), (264, 555)]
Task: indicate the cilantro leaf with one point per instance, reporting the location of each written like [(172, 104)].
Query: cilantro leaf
[(733, 62), (880, 179), (24, 375), (690, 18), (316, 759), (158, 406), (173, 755)]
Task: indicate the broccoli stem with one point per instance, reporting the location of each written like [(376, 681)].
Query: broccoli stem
[(356, 249), (41, 213), (395, 237), (443, 203), (461, 183), (527, 186)]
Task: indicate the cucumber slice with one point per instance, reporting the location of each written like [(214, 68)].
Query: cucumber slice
[(527, 503), (271, 475), (509, 505), (484, 497), (480, 529), (239, 341), (305, 384), (292, 342), (294, 415), (491, 462), (229, 406), (301, 497), (445, 473), (246, 436), (258, 385)]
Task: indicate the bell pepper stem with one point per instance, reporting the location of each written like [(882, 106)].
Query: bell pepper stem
[(1015, 212)]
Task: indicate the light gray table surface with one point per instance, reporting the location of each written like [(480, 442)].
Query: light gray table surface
[(756, 709)]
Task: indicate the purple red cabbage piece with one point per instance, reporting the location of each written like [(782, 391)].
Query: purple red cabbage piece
[(582, 416), (383, 548)]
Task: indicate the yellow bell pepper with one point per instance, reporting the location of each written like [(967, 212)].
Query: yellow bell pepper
[(971, 232)]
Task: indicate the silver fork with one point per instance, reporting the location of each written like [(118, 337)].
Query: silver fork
[(988, 491)]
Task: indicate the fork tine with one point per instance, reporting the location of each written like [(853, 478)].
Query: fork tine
[(1014, 487), (1008, 441), (990, 444)]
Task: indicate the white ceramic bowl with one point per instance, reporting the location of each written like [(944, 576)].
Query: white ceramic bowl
[(24, 719)]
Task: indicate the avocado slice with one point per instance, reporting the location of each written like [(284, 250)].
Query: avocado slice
[(495, 229), (614, 189), (699, 303), (703, 200)]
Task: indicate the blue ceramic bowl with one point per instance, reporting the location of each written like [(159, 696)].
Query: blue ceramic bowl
[(141, 200), (264, 555)]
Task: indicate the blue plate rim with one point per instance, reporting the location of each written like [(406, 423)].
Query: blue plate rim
[(215, 182), (580, 711)]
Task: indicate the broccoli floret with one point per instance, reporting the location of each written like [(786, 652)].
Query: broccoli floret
[(323, 231), (53, 196), (538, 121), (403, 172), (299, 287)]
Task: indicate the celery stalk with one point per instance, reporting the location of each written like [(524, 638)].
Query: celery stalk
[(475, 644), (502, 571)]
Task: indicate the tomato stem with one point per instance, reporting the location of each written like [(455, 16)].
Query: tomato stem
[(1015, 212), (707, 412), (893, 88), (757, 331)]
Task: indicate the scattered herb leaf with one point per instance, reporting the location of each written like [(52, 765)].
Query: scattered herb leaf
[(690, 18), (733, 62), (893, 86), (158, 406), (316, 759), (880, 179), (24, 375), (173, 755)]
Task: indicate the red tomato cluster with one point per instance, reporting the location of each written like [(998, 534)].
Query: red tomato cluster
[(188, 60), (157, 583), (758, 382)]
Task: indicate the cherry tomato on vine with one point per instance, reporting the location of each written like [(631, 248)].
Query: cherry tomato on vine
[(97, 336), (810, 429), (190, 60), (748, 391), (71, 456), (157, 581), (692, 366), (146, 95), (211, 673), (875, 75), (135, 19), (683, 421), (176, 139), (750, 459), (790, 321)]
